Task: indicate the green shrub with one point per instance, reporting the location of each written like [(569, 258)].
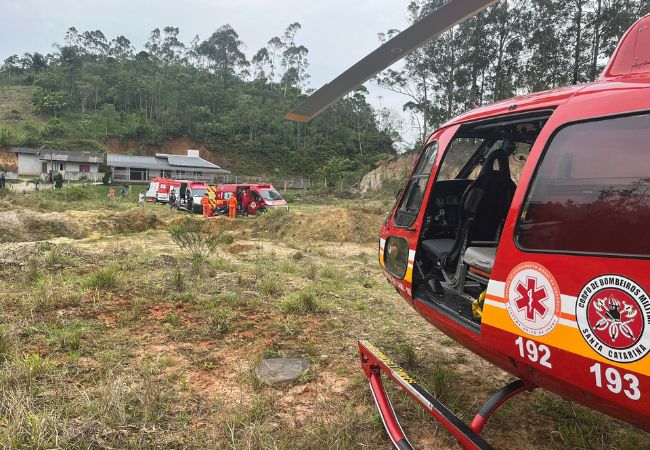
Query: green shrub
[(107, 177), (192, 237), (55, 128), (31, 133), (58, 181), (36, 182), (6, 137)]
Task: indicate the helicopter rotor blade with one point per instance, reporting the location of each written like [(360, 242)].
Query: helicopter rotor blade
[(430, 26)]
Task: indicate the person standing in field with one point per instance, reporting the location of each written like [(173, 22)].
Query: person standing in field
[(111, 193), (232, 206), (205, 202), (172, 199), (245, 201), (189, 201), (141, 199)]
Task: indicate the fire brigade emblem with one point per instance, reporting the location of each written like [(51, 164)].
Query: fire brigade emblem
[(613, 313), (533, 299)]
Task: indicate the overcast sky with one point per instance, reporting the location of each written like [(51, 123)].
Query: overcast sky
[(337, 32)]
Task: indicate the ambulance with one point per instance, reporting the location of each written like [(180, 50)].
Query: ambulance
[(191, 189), (152, 190), (260, 197), (165, 185)]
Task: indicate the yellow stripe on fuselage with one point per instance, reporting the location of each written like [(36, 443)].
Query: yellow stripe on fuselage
[(563, 336)]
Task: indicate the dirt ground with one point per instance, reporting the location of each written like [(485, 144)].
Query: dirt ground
[(113, 336)]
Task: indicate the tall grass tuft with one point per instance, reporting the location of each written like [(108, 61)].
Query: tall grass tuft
[(103, 279), (304, 302), (178, 279)]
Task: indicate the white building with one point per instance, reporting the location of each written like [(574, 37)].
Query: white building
[(46, 162), (140, 169)]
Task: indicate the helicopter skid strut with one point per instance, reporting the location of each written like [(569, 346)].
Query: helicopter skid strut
[(374, 362)]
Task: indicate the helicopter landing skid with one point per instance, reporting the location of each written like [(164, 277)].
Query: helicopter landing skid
[(374, 362)]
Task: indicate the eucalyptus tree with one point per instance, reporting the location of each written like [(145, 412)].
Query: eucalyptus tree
[(223, 51)]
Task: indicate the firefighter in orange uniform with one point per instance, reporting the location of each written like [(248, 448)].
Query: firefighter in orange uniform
[(232, 206), (205, 201)]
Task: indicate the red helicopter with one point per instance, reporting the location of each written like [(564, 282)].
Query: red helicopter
[(522, 234)]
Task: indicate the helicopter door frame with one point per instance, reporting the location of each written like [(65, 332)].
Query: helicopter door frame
[(410, 234)]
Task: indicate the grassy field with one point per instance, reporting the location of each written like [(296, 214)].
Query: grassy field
[(112, 336), (16, 106)]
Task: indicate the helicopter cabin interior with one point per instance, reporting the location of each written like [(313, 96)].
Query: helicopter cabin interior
[(466, 210)]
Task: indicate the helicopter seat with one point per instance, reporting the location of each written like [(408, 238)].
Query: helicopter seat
[(438, 248), (481, 258), (483, 209)]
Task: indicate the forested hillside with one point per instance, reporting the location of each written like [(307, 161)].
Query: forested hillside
[(90, 87)]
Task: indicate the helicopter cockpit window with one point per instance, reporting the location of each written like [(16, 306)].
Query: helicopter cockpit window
[(459, 153), (414, 193), (591, 192)]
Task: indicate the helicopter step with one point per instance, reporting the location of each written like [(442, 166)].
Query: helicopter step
[(374, 362)]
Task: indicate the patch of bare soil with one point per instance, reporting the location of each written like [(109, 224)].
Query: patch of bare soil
[(24, 226), (133, 220), (238, 248), (8, 161), (17, 225), (330, 225)]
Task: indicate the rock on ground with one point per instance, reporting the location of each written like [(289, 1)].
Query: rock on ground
[(280, 370)]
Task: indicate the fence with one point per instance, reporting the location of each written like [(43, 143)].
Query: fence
[(69, 175)]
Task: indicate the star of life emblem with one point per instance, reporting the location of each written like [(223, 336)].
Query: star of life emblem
[(612, 312), (533, 299)]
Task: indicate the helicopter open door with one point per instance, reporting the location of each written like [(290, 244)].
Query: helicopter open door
[(466, 211)]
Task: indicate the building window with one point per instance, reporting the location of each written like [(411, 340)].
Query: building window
[(61, 167), (198, 174), (180, 173), (166, 173), (138, 174), (120, 173), (84, 168), (591, 192)]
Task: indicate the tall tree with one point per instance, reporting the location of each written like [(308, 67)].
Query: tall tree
[(223, 50)]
